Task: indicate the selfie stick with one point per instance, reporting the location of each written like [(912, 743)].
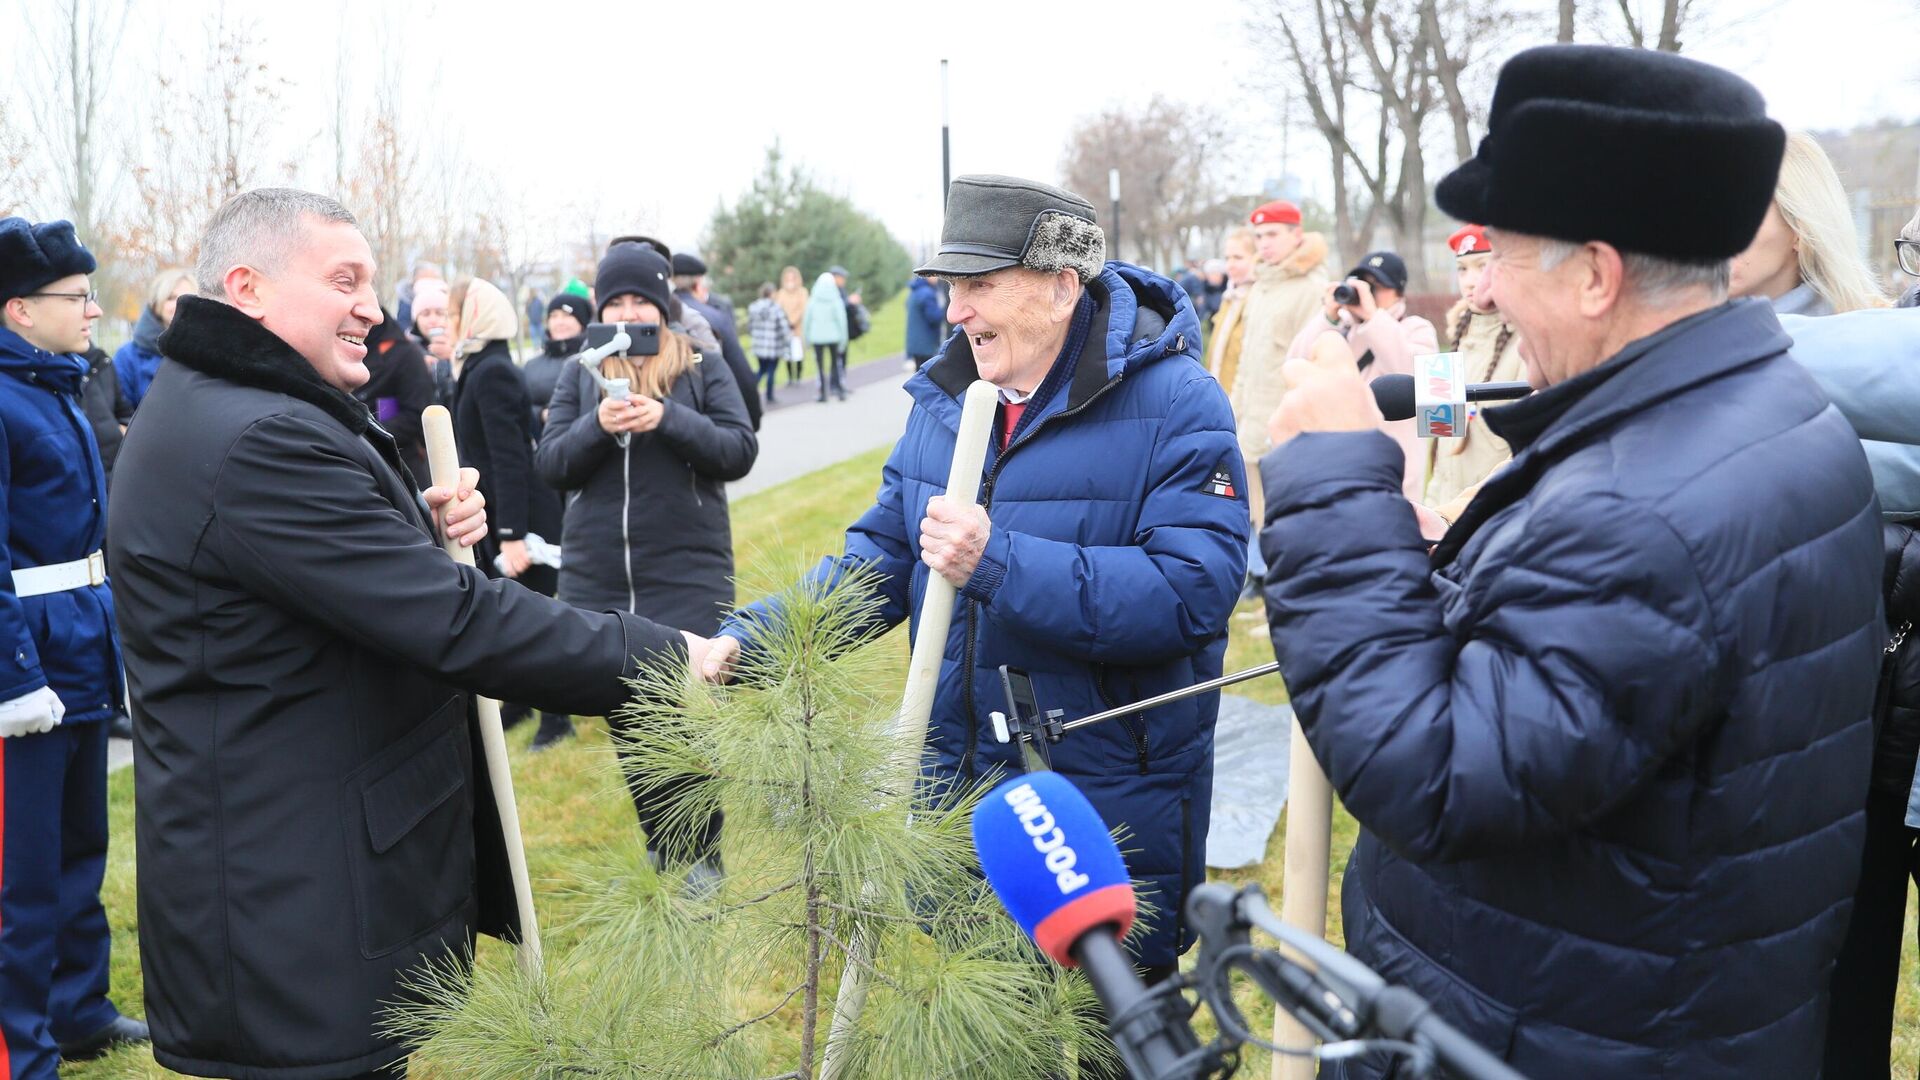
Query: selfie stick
[(923, 674), (443, 465), (617, 389)]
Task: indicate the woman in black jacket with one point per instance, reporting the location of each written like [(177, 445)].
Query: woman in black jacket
[(398, 389), (492, 422), (567, 317), (647, 528)]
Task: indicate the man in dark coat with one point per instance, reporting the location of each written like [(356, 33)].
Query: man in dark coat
[(105, 406), (398, 389), (1106, 556), (310, 824), (690, 288), (926, 321), (1609, 745), (59, 665)]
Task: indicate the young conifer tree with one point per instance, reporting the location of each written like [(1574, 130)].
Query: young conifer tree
[(654, 980)]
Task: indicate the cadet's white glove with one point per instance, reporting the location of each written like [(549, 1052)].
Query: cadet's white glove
[(31, 714)]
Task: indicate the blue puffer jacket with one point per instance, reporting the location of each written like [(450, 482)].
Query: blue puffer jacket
[(1609, 747), (53, 509), (926, 318), (1113, 564), (137, 361)]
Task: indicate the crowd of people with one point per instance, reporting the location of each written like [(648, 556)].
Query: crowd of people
[(1616, 679)]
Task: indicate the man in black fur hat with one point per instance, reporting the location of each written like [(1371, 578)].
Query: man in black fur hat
[(300, 651), (1609, 745)]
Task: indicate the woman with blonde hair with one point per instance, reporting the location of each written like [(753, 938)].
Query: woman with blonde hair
[(137, 360), (1806, 257), (647, 527), (792, 297)]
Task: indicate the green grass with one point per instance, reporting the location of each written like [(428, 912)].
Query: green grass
[(888, 336), (570, 806)]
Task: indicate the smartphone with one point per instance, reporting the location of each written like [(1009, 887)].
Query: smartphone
[(646, 337), (1021, 703)]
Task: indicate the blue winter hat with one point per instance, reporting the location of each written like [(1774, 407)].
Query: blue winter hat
[(33, 256)]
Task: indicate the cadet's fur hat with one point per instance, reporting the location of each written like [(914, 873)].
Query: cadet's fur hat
[(32, 256)]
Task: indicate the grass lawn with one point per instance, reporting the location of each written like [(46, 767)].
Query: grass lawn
[(571, 806)]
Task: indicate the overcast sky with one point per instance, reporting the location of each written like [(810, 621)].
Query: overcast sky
[(663, 111)]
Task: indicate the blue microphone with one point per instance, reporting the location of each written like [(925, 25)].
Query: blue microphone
[(1053, 864)]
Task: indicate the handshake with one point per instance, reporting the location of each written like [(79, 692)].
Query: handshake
[(953, 536), (711, 660)]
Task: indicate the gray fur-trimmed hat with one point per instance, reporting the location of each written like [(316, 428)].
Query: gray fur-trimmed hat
[(994, 222)]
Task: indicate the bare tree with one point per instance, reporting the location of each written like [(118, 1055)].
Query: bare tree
[(206, 136), (1668, 29), (18, 180), (75, 44), (381, 185), (1171, 157), (1373, 74), (1318, 57), (1462, 34), (1399, 52)]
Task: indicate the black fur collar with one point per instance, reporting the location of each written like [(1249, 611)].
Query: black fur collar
[(218, 340)]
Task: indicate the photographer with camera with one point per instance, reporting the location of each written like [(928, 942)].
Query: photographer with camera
[(647, 528), (1368, 312)]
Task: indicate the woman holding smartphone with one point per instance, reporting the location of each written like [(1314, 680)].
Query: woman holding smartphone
[(647, 528)]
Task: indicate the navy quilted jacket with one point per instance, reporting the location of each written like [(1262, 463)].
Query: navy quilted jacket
[(1609, 747), (1113, 565), (53, 509)]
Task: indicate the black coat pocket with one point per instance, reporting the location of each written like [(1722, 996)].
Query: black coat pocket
[(408, 815)]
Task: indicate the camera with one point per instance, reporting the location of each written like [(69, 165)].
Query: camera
[(1345, 293), (645, 337)]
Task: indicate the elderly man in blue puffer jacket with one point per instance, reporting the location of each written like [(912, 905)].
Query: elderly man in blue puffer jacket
[(1609, 744), (1107, 557)]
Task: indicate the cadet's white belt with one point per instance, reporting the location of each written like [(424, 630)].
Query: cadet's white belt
[(78, 574)]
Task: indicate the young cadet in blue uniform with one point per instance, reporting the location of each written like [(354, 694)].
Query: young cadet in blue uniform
[(59, 665)]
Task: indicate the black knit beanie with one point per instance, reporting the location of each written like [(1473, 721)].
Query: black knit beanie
[(632, 269), (573, 304)]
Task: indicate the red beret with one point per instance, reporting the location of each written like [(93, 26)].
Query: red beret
[(1278, 211), (1469, 240)]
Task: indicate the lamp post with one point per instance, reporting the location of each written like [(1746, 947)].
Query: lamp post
[(946, 145), (1113, 202)]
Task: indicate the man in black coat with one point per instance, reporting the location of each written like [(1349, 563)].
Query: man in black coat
[(310, 826), (398, 389), (105, 406), (690, 288)]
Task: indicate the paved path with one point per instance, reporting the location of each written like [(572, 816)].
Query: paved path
[(799, 435)]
